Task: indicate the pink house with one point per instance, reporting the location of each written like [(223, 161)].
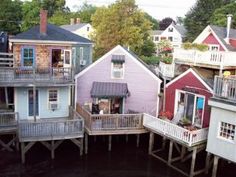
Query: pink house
[(119, 82)]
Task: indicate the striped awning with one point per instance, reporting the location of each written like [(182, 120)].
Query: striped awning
[(118, 58), (109, 90)]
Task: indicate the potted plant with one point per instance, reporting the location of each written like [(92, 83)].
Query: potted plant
[(166, 115)]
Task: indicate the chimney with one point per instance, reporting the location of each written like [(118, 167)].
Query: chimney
[(43, 22), (229, 19), (77, 20), (72, 21)]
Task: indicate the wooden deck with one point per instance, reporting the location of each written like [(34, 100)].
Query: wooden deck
[(111, 124), (8, 122)]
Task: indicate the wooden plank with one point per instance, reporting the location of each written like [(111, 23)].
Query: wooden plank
[(151, 142)]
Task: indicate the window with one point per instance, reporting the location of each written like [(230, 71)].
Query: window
[(53, 95), (214, 47), (28, 57), (81, 53), (170, 30), (117, 70), (170, 39), (156, 38), (190, 106), (227, 131), (88, 28), (163, 38)]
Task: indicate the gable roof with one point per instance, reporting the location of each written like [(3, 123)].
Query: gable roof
[(190, 70), (181, 29), (130, 54), (74, 27), (219, 33), (156, 32), (54, 33)]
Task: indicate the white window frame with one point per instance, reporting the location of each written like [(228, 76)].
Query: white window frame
[(224, 138), (214, 45), (48, 97), (177, 97), (112, 69), (156, 37), (81, 53)]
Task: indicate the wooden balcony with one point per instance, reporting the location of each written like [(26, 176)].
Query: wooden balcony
[(167, 70), (111, 124), (225, 88), (209, 59), (51, 129), (175, 132), (8, 122)]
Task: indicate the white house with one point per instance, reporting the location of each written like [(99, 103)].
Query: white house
[(174, 33), (81, 29)]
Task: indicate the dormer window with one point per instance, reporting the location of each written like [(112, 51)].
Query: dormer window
[(170, 29), (117, 66), (214, 47)]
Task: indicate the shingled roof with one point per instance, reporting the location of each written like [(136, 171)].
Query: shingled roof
[(54, 33), (73, 27)]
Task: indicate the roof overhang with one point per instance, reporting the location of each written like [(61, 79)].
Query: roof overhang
[(46, 41)]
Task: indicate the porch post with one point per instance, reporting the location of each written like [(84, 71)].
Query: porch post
[(164, 95), (215, 165), (34, 102), (151, 143), (6, 96)]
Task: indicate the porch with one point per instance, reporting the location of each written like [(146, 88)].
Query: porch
[(209, 59), (167, 70)]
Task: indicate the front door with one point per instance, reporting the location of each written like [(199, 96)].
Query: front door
[(67, 58), (31, 103)]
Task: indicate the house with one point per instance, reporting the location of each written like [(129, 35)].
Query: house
[(121, 80), (184, 121), (41, 73), (221, 137), (113, 93), (221, 42), (82, 29), (173, 33)]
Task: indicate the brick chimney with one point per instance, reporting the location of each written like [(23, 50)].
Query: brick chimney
[(43, 21), (77, 20), (229, 19), (72, 21)]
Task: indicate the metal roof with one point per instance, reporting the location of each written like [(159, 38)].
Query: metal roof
[(109, 89)]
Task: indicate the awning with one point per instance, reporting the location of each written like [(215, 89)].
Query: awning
[(109, 89), (118, 58)]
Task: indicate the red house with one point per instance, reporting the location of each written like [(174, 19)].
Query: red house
[(187, 98)]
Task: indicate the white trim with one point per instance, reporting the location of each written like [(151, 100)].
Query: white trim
[(32, 117), (58, 101), (158, 99), (195, 74), (64, 58), (127, 53), (205, 33), (76, 93), (46, 41), (15, 101), (123, 72)]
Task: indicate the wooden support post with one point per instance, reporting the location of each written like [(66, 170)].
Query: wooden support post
[(109, 142), (6, 96), (183, 151), (163, 143), (126, 138), (215, 166), (22, 152), (81, 146), (151, 143), (138, 139), (208, 157), (52, 150), (194, 154), (86, 143), (170, 152)]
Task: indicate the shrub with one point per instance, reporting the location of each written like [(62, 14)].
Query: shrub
[(153, 60), (200, 47)]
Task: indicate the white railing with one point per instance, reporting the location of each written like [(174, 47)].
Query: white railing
[(225, 88), (6, 59), (48, 74), (167, 70), (8, 119), (218, 59), (174, 131)]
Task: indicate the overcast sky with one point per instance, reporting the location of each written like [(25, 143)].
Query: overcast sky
[(156, 8)]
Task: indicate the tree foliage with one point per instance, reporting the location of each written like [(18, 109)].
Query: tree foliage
[(120, 23), (10, 16), (219, 17), (198, 17), (155, 23), (165, 22), (85, 12)]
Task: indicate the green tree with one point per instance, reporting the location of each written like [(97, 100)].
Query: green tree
[(165, 22), (61, 18), (155, 23), (198, 17), (120, 23), (85, 12), (219, 17), (10, 16)]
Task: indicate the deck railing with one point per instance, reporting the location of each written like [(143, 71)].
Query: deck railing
[(48, 74), (8, 119), (167, 70), (6, 59), (217, 59), (225, 88), (174, 131), (51, 129), (108, 122)]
